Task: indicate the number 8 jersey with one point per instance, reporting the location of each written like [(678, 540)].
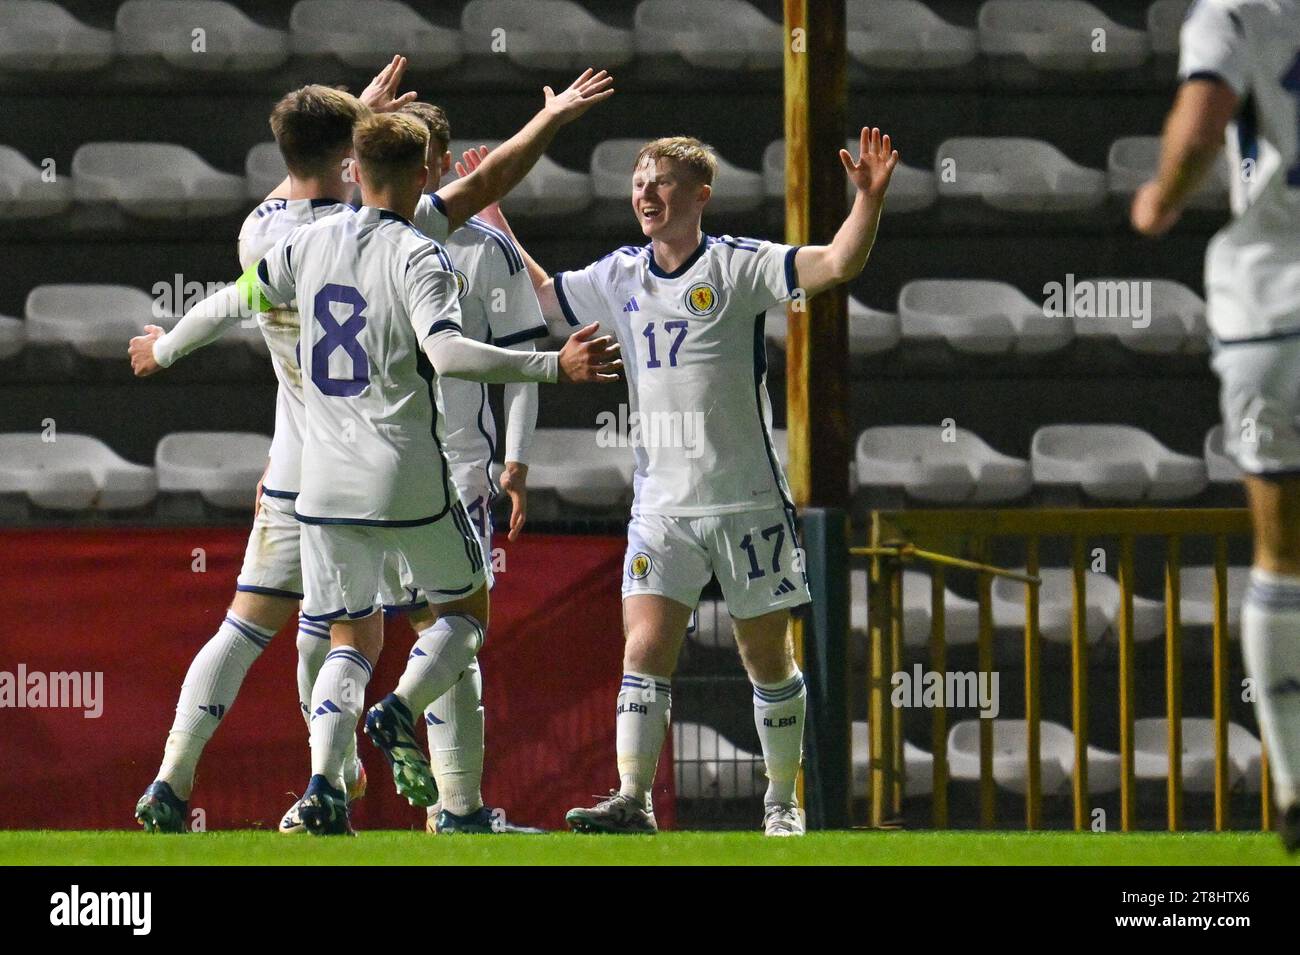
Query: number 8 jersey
[(696, 363), (370, 288)]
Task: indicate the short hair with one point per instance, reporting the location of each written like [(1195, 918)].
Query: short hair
[(312, 125), (697, 157), (390, 146), (434, 119)]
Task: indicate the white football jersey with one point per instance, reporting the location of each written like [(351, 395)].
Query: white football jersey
[(498, 306), (370, 288), (1254, 47), (266, 225), (696, 365)]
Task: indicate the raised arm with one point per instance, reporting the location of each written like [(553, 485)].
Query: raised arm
[(509, 163), (820, 267), (582, 359), (1192, 139)]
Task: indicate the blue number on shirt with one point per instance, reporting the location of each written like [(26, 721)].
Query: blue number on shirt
[(1291, 83), (679, 326), (340, 335), (747, 545)]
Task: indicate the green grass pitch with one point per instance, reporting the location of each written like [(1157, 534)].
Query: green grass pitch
[(669, 848)]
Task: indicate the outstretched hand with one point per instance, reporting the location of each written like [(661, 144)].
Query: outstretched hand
[(876, 161), (140, 349), (587, 359), (469, 161), (381, 95), (583, 93)]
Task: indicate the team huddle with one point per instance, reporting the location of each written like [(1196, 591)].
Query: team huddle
[(384, 321)]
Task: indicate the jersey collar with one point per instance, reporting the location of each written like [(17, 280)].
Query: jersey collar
[(681, 269)]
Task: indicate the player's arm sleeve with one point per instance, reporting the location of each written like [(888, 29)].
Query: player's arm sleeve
[(763, 272), (431, 217), (516, 326), (215, 315), (1212, 45), (581, 295), (434, 311)]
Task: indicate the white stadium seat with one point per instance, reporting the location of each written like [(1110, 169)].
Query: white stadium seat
[(24, 194), (1164, 24), (222, 466), (1151, 754), (95, 320), (230, 41), (1196, 608), (155, 181), (870, 330), (39, 36), (548, 190), (980, 317), (1219, 468), (72, 472), (960, 614), (918, 459), (1056, 607), (1132, 161), (264, 169), (1059, 35), (918, 765), (734, 189), (712, 626), (1011, 757), (333, 28), (1174, 323), (910, 189), (13, 335), (707, 765), (1015, 174), (1114, 462), (544, 34), (906, 35), (709, 34), (571, 463)]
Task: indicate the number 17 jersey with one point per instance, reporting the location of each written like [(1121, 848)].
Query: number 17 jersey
[(696, 365)]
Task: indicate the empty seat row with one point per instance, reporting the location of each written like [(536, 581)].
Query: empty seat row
[(1056, 757), (1055, 607), (727, 35), (165, 180)]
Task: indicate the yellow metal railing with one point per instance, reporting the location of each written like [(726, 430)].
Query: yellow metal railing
[(963, 539)]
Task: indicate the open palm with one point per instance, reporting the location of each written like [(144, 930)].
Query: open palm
[(875, 165)]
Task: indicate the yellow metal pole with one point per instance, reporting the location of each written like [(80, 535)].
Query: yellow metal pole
[(1220, 683), (1079, 681), (1174, 680), (896, 713), (1265, 791), (938, 715), (878, 688), (1033, 729), (1127, 781), (987, 793)]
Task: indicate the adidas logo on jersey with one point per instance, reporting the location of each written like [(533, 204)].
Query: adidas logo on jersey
[(785, 587), (631, 305)]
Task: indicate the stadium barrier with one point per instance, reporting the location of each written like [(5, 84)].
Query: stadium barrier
[(897, 538)]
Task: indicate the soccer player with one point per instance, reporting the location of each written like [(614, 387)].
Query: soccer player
[(683, 307), (1240, 73), (313, 128)]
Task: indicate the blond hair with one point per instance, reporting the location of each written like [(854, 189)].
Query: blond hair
[(695, 157), (434, 119), (312, 126), (390, 147)]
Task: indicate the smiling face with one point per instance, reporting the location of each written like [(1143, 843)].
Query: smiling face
[(667, 199)]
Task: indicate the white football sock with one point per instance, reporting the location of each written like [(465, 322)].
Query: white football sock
[(455, 723), (779, 710), (336, 704), (208, 692), (441, 653), (641, 723), (313, 645), (1270, 639)]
